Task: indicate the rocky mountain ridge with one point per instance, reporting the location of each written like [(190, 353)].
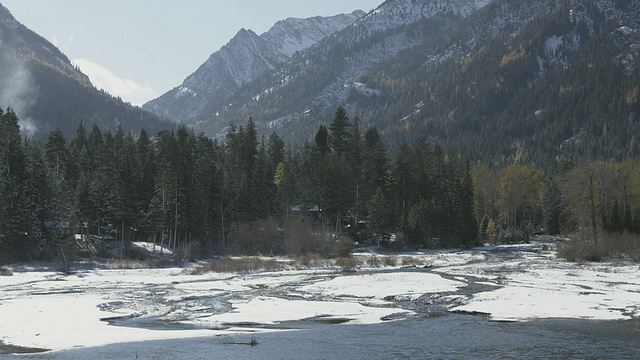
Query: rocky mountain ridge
[(485, 79), (243, 59), (322, 76)]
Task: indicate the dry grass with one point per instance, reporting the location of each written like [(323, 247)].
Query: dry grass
[(390, 260), (311, 260), (129, 264), (241, 264), (374, 261), (410, 260), (347, 262), (379, 261)]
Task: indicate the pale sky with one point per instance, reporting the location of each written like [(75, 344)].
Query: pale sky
[(139, 49)]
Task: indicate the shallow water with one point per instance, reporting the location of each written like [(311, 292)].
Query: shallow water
[(444, 337)]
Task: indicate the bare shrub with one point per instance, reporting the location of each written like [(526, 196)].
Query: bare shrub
[(342, 247), (65, 254), (622, 246), (572, 251), (258, 237), (187, 251), (305, 236), (582, 249)]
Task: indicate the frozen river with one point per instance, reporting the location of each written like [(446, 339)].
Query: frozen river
[(491, 302)]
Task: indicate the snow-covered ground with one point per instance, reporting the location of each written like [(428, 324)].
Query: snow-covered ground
[(41, 308)]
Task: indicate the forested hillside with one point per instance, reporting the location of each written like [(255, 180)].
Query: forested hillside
[(250, 195), (562, 90), (42, 86), (548, 83)]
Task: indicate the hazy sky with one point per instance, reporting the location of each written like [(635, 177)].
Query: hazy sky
[(139, 49)]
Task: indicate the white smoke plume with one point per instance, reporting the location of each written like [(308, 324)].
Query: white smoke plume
[(17, 89)]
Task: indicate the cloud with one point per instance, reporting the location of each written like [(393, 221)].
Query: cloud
[(17, 90), (104, 79)]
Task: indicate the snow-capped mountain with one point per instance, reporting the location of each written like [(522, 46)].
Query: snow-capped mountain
[(380, 36), (243, 59), (487, 76), (319, 78)]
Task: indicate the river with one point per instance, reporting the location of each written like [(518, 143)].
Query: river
[(450, 336)]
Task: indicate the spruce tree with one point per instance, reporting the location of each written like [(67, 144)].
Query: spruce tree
[(551, 208), (322, 140), (468, 228), (36, 203), (340, 132), (13, 216)]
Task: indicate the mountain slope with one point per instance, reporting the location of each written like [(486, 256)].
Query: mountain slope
[(242, 59), (46, 91), (317, 80), (548, 82)]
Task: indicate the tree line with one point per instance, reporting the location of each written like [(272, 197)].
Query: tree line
[(250, 194)]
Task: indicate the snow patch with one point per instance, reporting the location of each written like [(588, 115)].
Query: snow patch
[(381, 286), (552, 44), (271, 310)]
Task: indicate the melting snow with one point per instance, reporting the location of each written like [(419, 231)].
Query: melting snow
[(45, 309)]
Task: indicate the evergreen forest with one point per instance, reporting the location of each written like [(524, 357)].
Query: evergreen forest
[(252, 195)]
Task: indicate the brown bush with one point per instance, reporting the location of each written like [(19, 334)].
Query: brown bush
[(258, 237), (66, 254), (242, 264), (624, 246), (305, 236)]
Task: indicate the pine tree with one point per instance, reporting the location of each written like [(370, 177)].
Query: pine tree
[(275, 151), (35, 203), (468, 228), (338, 192), (551, 207), (264, 186), (404, 184), (146, 170), (13, 218), (380, 216), (375, 166), (58, 160), (340, 133), (322, 140)]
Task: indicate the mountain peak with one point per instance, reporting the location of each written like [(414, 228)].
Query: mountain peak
[(244, 58)]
